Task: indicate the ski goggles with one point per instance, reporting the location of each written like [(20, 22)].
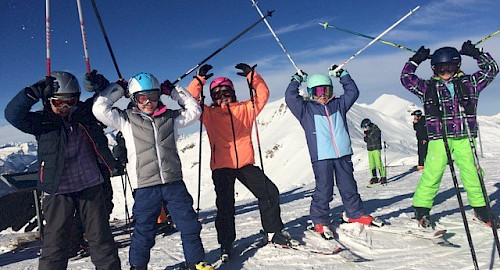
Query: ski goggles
[(143, 98), (446, 68), (60, 102), (323, 90), (224, 92)]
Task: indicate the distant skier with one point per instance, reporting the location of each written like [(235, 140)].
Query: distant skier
[(154, 168), (323, 119), (441, 96), (229, 124), (372, 137), (74, 158), (422, 138)]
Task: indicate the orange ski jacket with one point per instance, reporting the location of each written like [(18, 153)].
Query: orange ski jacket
[(229, 128)]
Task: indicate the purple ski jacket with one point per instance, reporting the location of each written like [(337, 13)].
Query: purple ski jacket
[(466, 89)]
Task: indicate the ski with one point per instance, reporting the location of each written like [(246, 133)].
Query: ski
[(436, 236), (408, 228), (339, 248)]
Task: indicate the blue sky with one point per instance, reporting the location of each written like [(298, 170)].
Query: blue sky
[(167, 38)]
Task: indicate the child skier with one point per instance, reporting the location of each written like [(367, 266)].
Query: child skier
[(324, 121), (422, 139), (229, 127), (442, 95), (373, 141), (74, 158), (154, 167)]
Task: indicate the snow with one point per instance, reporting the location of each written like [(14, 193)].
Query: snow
[(286, 162)]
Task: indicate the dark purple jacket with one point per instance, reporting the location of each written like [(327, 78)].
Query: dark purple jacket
[(467, 89)]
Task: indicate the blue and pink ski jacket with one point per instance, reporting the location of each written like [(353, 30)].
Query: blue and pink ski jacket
[(325, 126)]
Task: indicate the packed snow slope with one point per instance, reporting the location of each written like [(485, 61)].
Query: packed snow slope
[(286, 162)]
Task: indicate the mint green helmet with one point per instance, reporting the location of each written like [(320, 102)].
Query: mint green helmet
[(318, 80)]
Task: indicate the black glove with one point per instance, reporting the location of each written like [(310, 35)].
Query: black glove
[(202, 72), (43, 89), (124, 84), (300, 78), (335, 74), (470, 49), (421, 55), (166, 87), (245, 68), (95, 82)]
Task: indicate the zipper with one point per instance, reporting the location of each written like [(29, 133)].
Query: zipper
[(41, 171), (331, 132), (155, 130), (95, 149)]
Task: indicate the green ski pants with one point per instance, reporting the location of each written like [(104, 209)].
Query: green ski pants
[(434, 167), (375, 161)]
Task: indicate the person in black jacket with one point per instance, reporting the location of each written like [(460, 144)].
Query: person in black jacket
[(374, 145), (74, 158), (422, 139)]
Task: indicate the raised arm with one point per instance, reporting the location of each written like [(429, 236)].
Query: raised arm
[(191, 110), (103, 108), (408, 78)]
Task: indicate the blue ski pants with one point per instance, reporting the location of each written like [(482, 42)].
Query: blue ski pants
[(146, 209), (324, 171)]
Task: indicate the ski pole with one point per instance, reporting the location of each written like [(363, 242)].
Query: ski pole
[(455, 182), (326, 25), (276, 37), (250, 87), (375, 40), (385, 158), (269, 14), (202, 105), (84, 37), (47, 33), (488, 36), (480, 177), (106, 39), (124, 188), (480, 141)]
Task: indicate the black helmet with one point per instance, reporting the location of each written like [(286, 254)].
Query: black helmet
[(68, 84), (366, 122), (418, 113), (446, 55)]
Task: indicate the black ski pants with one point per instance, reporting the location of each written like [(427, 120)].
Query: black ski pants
[(262, 188), (422, 152), (59, 210)]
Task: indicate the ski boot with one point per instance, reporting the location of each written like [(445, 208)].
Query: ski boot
[(374, 180), (383, 180), (481, 214), (423, 217), (133, 267), (324, 231), (225, 252), (196, 266), (282, 238), (363, 219)]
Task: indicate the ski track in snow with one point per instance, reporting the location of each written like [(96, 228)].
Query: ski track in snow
[(290, 169)]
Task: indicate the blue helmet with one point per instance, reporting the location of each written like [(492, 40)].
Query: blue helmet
[(142, 82)]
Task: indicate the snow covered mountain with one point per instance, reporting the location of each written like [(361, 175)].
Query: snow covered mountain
[(286, 162), (17, 157)]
